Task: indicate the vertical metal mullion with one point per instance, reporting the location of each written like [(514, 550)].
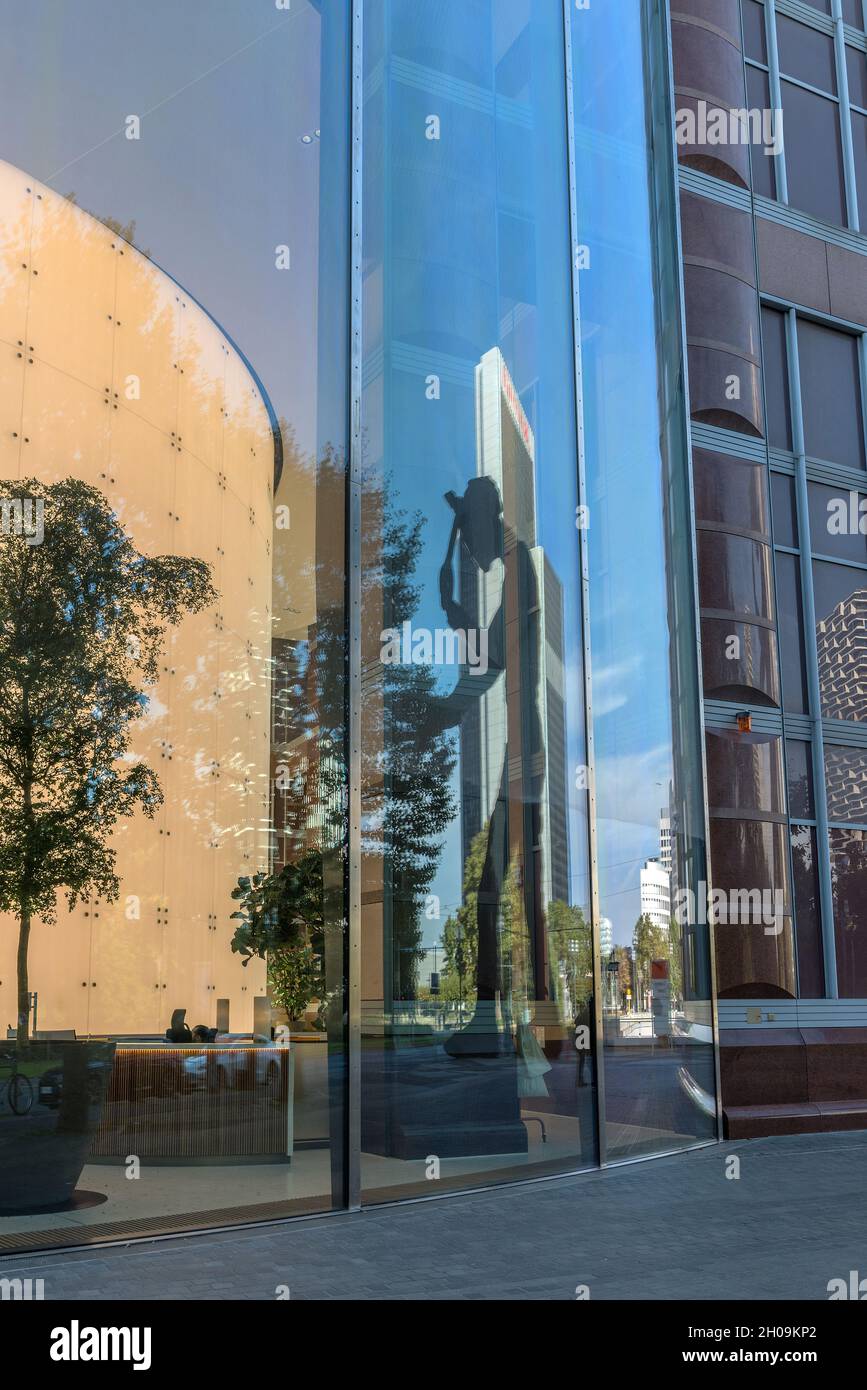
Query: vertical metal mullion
[(811, 657), (353, 1128), (598, 1050), (776, 92), (849, 174)]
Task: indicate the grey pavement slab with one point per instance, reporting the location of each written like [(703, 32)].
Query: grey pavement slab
[(670, 1228)]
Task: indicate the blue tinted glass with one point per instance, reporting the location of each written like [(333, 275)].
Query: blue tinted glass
[(476, 946), (658, 1057)]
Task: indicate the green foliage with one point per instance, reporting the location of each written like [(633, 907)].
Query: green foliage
[(83, 616), (649, 943), (461, 932), (571, 948), (281, 920), (295, 976), (280, 910)]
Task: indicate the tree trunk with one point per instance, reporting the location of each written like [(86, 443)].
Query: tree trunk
[(23, 982)]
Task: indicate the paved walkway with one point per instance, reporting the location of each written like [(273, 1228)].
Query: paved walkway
[(668, 1228)]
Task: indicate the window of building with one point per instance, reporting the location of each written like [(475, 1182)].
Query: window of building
[(806, 54), (759, 98), (821, 174), (846, 784), (799, 770), (838, 522), (814, 153), (831, 394), (776, 377), (785, 518), (856, 71), (808, 919), (791, 628), (755, 37), (849, 891), (840, 596)]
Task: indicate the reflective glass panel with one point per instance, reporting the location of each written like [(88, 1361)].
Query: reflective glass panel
[(166, 172), (783, 506), (849, 888), (799, 765), (846, 783), (658, 1060), (755, 41), (758, 99), (831, 394), (808, 918), (776, 376), (814, 156), (806, 53), (838, 522), (791, 628), (477, 973), (841, 621)]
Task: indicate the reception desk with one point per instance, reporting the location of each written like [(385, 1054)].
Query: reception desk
[(189, 1103)]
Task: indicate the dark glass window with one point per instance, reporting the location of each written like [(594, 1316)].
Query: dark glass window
[(841, 639), (849, 889), (831, 394), (745, 774), (838, 522), (859, 149), (846, 783), (853, 13), (799, 769), (775, 360), (758, 98), (856, 67), (807, 54), (823, 5), (783, 503), (791, 627), (814, 158), (755, 39), (808, 917)]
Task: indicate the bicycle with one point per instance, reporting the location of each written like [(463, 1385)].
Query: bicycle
[(19, 1090)]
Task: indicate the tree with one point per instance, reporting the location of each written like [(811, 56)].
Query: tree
[(571, 947), (649, 942), (281, 921), (461, 931), (83, 616)]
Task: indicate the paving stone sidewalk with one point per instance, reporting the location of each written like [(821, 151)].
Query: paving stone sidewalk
[(672, 1228)]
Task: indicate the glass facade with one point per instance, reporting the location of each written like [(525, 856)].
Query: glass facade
[(354, 832), (820, 538), (811, 65)]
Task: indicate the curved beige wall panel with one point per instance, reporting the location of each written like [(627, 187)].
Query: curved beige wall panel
[(111, 373)]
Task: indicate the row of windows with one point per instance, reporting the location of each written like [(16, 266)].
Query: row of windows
[(824, 104), (821, 561)]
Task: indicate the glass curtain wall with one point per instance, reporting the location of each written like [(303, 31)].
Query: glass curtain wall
[(195, 923), (477, 990), (486, 572), (174, 228), (655, 1008)]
